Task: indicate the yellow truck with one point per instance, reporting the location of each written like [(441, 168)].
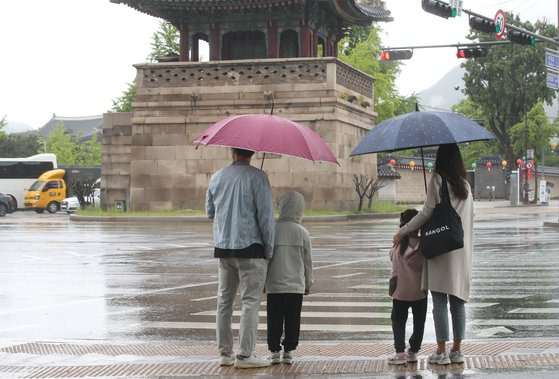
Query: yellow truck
[(47, 192)]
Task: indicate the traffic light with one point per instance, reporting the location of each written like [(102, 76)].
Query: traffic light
[(477, 52), (482, 25), (396, 55), (437, 7), (521, 38)]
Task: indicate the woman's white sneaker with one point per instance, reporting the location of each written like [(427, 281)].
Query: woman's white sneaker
[(439, 359), (397, 359), (456, 357)]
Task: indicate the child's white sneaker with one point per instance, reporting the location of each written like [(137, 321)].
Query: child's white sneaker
[(288, 357), (275, 357)]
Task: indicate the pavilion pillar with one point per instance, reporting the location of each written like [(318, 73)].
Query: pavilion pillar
[(305, 41), (315, 43), (215, 39), (272, 39), (183, 43), (195, 56), (335, 48), (327, 47)]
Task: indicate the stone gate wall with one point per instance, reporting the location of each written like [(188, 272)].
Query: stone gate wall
[(176, 101)]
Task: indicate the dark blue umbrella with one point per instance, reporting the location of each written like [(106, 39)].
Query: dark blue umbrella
[(420, 129)]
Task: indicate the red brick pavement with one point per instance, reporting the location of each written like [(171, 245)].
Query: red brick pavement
[(77, 360)]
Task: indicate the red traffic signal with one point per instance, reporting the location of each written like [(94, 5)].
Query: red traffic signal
[(396, 55), (478, 52)]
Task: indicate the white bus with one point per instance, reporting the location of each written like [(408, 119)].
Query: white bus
[(18, 174)]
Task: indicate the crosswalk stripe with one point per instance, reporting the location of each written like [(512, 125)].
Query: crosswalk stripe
[(235, 326), (535, 310), (516, 322), (305, 314)]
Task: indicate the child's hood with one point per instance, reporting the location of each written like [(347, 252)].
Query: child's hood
[(290, 206)]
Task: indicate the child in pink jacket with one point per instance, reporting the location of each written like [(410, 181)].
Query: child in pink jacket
[(405, 289)]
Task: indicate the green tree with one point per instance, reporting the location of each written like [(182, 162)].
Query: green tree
[(19, 145), (90, 153), (361, 49), (534, 132), (472, 151), (3, 123), (165, 41), (61, 143), (124, 102), (508, 82)]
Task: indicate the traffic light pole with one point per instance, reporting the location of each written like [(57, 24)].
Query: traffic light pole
[(515, 28), (478, 44)]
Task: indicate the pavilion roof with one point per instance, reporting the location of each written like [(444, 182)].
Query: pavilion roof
[(351, 11)]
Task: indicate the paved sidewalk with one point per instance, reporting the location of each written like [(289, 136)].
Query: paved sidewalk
[(151, 360)]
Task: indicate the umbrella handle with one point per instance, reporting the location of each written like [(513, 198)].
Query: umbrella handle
[(262, 164)]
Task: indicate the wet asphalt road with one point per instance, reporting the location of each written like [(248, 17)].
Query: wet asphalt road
[(62, 280)]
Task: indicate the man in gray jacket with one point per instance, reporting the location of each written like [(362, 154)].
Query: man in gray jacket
[(239, 201)]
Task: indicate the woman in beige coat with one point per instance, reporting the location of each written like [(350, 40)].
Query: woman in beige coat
[(448, 276)]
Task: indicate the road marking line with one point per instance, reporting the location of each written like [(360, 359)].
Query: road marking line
[(305, 314), (346, 263), (490, 332), (348, 275), (516, 322), (205, 298), (535, 310)]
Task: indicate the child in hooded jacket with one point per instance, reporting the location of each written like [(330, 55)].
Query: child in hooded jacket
[(289, 277), (407, 265)]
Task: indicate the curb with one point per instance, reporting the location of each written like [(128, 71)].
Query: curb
[(202, 219)]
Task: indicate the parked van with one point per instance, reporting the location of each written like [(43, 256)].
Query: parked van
[(47, 192)]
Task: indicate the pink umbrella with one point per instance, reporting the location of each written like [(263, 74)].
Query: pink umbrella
[(267, 134)]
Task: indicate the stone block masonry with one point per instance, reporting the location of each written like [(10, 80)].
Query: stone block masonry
[(176, 101)]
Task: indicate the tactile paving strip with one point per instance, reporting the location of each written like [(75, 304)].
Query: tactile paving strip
[(311, 359)]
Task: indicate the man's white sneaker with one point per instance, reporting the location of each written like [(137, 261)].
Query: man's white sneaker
[(456, 357), (439, 359), (226, 360), (275, 357), (287, 357), (251, 362)]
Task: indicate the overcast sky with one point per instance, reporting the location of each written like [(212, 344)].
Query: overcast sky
[(72, 57)]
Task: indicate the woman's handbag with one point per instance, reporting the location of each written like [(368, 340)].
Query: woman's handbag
[(443, 231)]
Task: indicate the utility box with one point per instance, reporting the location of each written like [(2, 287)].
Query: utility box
[(120, 205), (514, 188)]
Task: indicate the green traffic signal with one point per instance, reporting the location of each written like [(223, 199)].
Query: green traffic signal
[(521, 38), (438, 8)]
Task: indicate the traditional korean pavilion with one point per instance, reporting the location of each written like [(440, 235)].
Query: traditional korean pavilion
[(247, 29), (262, 53)]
